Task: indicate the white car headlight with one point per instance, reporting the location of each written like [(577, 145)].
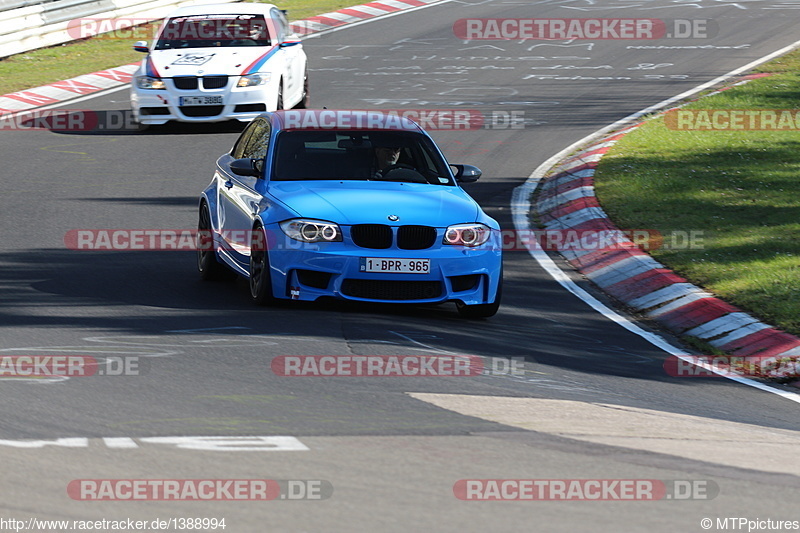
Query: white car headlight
[(467, 234), (148, 82), (309, 230), (251, 80)]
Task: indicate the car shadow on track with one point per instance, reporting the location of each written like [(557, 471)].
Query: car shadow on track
[(74, 279), (158, 293)]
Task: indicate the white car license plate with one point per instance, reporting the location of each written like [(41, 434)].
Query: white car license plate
[(400, 266), (200, 100)]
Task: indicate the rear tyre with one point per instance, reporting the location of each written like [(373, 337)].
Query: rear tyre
[(260, 279), (210, 269), (482, 310)]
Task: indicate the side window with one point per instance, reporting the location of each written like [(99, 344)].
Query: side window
[(281, 24), (241, 142), (258, 143)]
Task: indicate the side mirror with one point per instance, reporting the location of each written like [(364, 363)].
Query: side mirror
[(286, 44), (141, 46), (467, 173), (245, 167)]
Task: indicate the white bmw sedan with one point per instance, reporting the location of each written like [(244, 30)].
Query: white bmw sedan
[(218, 62)]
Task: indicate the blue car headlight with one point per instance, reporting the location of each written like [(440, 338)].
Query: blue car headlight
[(149, 82), (310, 230), (467, 234)]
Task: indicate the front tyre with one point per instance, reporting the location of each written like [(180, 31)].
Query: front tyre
[(303, 103), (260, 279), (136, 121), (482, 310), (279, 102)]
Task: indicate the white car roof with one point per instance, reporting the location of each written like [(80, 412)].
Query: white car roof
[(241, 8)]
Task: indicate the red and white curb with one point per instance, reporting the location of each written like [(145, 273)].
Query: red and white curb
[(66, 90), (108, 79), (350, 15), (567, 202)]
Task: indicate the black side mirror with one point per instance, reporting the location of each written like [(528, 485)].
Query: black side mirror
[(245, 167), (467, 173)]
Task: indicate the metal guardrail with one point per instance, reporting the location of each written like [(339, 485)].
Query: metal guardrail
[(38, 24), (65, 10), (7, 5)]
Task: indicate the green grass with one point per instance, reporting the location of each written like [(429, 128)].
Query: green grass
[(742, 189), (48, 65)]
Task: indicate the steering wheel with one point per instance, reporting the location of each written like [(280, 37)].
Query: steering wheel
[(395, 166), (405, 173)]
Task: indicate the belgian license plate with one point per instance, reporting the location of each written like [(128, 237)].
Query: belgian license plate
[(200, 100), (399, 266)]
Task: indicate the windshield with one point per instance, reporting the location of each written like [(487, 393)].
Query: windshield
[(202, 31), (359, 155)]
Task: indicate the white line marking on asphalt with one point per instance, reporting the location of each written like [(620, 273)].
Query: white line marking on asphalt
[(248, 443), (427, 348), (120, 442), (205, 329), (232, 444)]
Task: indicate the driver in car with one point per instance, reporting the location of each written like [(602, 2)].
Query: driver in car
[(386, 157)]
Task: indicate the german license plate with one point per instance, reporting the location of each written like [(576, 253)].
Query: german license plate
[(200, 100), (399, 266)]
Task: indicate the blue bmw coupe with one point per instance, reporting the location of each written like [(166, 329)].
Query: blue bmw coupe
[(354, 205)]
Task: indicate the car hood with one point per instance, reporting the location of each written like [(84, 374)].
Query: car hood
[(232, 61), (370, 202)]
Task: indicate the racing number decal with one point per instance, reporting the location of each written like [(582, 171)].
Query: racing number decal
[(194, 59)]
